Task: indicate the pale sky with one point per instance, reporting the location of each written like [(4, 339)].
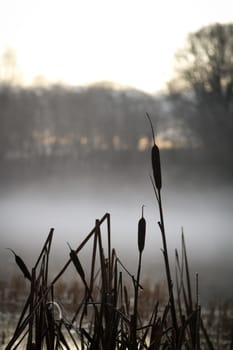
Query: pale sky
[(82, 41)]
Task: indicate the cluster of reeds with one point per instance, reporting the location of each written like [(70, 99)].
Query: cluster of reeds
[(107, 316)]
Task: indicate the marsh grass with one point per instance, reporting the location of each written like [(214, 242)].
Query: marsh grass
[(108, 314)]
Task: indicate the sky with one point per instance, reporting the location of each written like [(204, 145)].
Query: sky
[(131, 43)]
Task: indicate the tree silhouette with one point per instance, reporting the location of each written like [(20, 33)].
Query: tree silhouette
[(205, 70)]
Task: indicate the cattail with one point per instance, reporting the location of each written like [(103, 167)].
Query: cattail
[(155, 160), (141, 232), (76, 262), (21, 265)]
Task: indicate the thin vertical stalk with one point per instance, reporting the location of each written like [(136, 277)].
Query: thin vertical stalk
[(30, 331), (109, 252), (187, 273), (166, 260)]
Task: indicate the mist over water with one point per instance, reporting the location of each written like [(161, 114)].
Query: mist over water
[(28, 211)]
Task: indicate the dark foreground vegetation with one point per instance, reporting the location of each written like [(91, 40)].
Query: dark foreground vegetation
[(45, 131), (113, 311)]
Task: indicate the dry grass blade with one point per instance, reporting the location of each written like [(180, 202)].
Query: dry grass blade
[(93, 261), (167, 266), (22, 316), (21, 265), (104, 275), (127, 271), (187, 273), (179, 307), (127, 302), (46, 247), (109, 248), (74, 258), (198, 316), (182, 287), (33, 290)]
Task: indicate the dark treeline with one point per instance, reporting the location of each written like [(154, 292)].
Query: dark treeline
[(56, 121), (42, 128)]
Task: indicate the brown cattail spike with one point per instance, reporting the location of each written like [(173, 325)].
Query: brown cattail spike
[(76, 262), (141, 232), (21, 265), (155, 160)]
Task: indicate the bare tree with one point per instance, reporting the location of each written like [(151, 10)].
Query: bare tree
[(205, 73)]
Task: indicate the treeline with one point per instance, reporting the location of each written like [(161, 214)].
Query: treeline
[(59, 121), (57, 129)]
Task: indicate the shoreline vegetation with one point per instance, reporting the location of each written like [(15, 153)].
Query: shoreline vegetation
[(113, 310)]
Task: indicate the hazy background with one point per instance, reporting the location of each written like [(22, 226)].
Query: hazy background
[(76, 82)]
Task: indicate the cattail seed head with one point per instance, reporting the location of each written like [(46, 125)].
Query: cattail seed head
[(141, 233), (155, 160)]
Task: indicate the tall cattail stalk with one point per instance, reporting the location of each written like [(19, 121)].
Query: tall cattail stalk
[(157, 185), (141, 245)]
